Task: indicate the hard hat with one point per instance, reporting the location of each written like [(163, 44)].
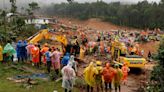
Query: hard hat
[(98, 63), (46, 44)]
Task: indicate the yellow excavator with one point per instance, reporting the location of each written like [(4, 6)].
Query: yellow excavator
[(46, 34), (50, 35), (133, 61)]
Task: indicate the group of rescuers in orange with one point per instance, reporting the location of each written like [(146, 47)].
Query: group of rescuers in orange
[(96, 75)]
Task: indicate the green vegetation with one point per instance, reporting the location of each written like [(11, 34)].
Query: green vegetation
[(32, 7), (13, 27), (157, 76), (10, 86), (140, 15), (13, 6)]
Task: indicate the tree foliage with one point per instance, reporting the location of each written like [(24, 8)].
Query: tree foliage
[(157, 77), (140, 15), (13, 6), (32, 7)]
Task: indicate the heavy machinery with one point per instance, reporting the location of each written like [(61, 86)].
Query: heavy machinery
[(133, 61), (47, 34)]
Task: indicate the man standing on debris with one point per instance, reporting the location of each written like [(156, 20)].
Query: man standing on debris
[(117, 78), (108, 75), (48, 60), (89, 76), (69, 75)]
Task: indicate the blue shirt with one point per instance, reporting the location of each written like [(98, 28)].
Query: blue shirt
[(65, 59), (48, 56)]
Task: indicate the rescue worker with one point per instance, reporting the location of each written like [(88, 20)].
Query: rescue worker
[(117, 78), (65, 59), (48, 60), (55, 58), (82, 52), (74, 64), (125, 69), (8, 52), (68, 75), (18, 50), (1, 55), (43, 51), (29, 50), (99, 76), (89, 76), (35, 55), (108, 74), (24, 52), (101, 47), (133, 51), (149, 56)]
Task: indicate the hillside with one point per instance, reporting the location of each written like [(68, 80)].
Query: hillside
[(95, 23)]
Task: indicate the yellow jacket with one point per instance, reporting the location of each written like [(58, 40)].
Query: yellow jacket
[(1, 55), (89, 74)]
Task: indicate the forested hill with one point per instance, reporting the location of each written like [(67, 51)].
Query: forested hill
[(140, 15)]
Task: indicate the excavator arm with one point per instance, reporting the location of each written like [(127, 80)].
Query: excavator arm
[(45, 34)]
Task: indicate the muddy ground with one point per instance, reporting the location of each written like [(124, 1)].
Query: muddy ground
[(136, 76)]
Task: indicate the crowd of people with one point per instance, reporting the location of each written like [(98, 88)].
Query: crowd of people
[(49, 56), (96, 75)]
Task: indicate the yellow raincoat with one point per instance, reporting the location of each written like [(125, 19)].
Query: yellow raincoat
[(1, 55), (89, 75), (99, 68), (118, 76), (82, 52)]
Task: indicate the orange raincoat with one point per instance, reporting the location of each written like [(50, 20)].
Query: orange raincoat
[(125, 71), (44, 50), (108, 73), (35, 54)]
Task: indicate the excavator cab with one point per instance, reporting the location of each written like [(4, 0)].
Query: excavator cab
[(133, 61)]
